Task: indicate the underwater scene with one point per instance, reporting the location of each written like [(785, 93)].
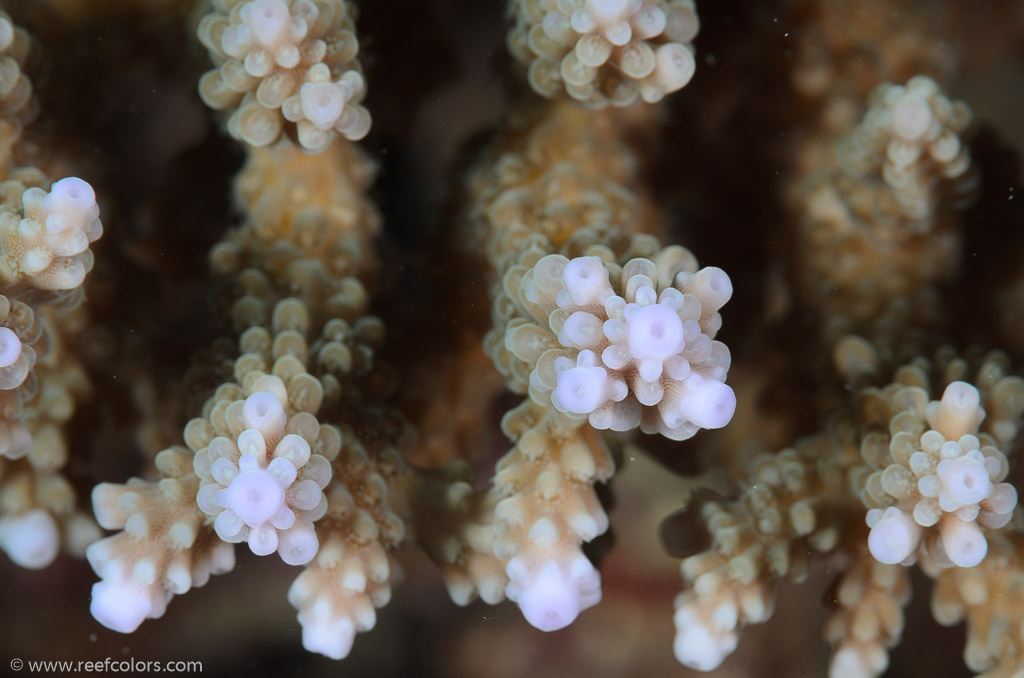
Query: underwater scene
[(504, 338)]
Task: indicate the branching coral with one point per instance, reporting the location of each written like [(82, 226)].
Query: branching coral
[(48, 247), (911, 137), (263, 485), (292, 431), (162, 549), (546, 509), (877, 230), (283, 61), (942, 477), (879, 225), (796, 503), (786, 512), (614, 359), (45, 232)]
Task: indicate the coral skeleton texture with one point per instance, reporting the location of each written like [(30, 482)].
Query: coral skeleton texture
[(371, 383)]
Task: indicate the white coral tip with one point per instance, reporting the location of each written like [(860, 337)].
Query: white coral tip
[(263, 540), (580, 390), (119, 605), (963, 541), (586, 280), (265, 413), (322, 103), (298, 545), (607, 11), (696, 647), (549, 601), (253, 496), (268, 20), (31, 540), (73, 199), (332, 639), (894, 537), (655, 331), (708, 403), (965, 481), (958, 412), (551, 598)]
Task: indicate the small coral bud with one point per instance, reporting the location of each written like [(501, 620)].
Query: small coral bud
[(958, 412), (581, 389), (965, 481), (708, 403), (263, 411), (322, 103), (894, 536), (586, 281), (963, 541), (268, 21), (253, 496), (655, 331)]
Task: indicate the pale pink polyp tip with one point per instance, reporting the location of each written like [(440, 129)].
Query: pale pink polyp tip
[(710, 404), (585, 278), (581, 389), (894, 537), (675, 66), (322, 103), (961, 395), (262, 410), (965, 481), (118, 606), (268, 20), (963, 541), (253, 496), (333, 639), (551, 601), (73, 189), (655, 331)]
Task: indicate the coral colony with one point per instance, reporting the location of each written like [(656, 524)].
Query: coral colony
[(599, 329)]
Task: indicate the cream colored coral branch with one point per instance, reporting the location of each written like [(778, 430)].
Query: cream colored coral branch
[(546, 510), (869, 618), (933, 484), (786, 512), (876, 207)]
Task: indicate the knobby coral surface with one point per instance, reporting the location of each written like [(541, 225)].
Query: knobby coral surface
[(749, 275)]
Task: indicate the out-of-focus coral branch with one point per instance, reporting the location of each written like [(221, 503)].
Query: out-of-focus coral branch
[(45, 232), (603, 52)]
